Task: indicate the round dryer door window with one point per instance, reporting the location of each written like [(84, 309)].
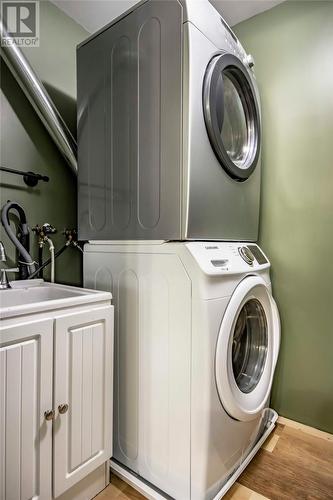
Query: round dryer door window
[(232, 115), (247, 350)]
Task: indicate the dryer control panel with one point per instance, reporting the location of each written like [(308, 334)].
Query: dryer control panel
[(216, 258)]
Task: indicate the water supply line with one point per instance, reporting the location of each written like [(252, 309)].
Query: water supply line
[(51, 248), (43, 232), (70, 235), (40, 257), (39, 98), (48, 261)]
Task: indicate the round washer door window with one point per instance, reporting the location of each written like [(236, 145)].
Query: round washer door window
[(249, 345), (247, 350), (232, 115)]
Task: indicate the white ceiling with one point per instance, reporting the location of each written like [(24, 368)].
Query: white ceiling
[(94, 14)]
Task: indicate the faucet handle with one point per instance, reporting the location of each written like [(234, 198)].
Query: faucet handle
[(4, 283)]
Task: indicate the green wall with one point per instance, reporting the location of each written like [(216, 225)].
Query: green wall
[(26, 145), (292, 45)]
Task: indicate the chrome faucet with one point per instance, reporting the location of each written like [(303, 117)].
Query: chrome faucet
[(4, 283)]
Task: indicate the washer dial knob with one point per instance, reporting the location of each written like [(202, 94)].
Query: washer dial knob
[(246, 255)]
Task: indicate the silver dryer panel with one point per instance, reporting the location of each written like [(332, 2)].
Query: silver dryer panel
[(147, 168), (129, 127)]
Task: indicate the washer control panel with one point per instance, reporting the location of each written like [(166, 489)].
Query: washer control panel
[(216, 258)]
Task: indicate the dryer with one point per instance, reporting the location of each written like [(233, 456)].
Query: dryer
[(169, 128), (197, 337)]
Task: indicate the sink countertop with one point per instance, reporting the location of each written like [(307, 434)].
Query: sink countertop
[(27, 297)]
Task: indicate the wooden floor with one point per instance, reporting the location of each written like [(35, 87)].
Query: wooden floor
[(295, 463)]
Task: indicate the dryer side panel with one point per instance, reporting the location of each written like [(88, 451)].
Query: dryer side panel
[(130, 127)]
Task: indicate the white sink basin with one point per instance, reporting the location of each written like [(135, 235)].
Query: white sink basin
[(16, 296), (27, 297)]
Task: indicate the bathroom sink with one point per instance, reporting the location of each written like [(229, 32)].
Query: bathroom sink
[(27, 297)]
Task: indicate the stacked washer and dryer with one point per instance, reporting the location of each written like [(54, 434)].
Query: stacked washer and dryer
[(169, 186)]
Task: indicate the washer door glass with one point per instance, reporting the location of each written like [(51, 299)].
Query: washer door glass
[(247, 349), (232, 115), (249, 345)]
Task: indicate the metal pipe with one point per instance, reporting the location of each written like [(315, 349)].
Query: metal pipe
[(39, 98)]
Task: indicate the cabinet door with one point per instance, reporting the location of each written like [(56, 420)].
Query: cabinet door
[(83, 381), (25, 394)]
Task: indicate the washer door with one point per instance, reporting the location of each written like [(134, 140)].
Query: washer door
[(232, 115), (247, 349)]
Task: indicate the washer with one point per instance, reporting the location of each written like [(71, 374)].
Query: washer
[(197, 338), (169, 128)]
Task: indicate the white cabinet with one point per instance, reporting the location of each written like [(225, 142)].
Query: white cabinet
[(25, 393), (83, 363), (61, 363)]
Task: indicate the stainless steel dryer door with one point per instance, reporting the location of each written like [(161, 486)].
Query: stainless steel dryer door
[(232, 115)]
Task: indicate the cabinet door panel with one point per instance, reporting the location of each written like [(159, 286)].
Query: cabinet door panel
[(83, 380), (25, 394)]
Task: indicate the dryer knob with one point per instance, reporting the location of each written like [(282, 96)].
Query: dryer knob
[(250, 61)]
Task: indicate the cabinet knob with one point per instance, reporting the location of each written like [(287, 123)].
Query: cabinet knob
[(63, 408), (49, 414)]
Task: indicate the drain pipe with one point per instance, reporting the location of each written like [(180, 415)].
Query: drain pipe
[(39, 98), (26, 264)]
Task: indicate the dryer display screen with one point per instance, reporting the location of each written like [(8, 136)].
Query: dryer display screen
[(260, 258)]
